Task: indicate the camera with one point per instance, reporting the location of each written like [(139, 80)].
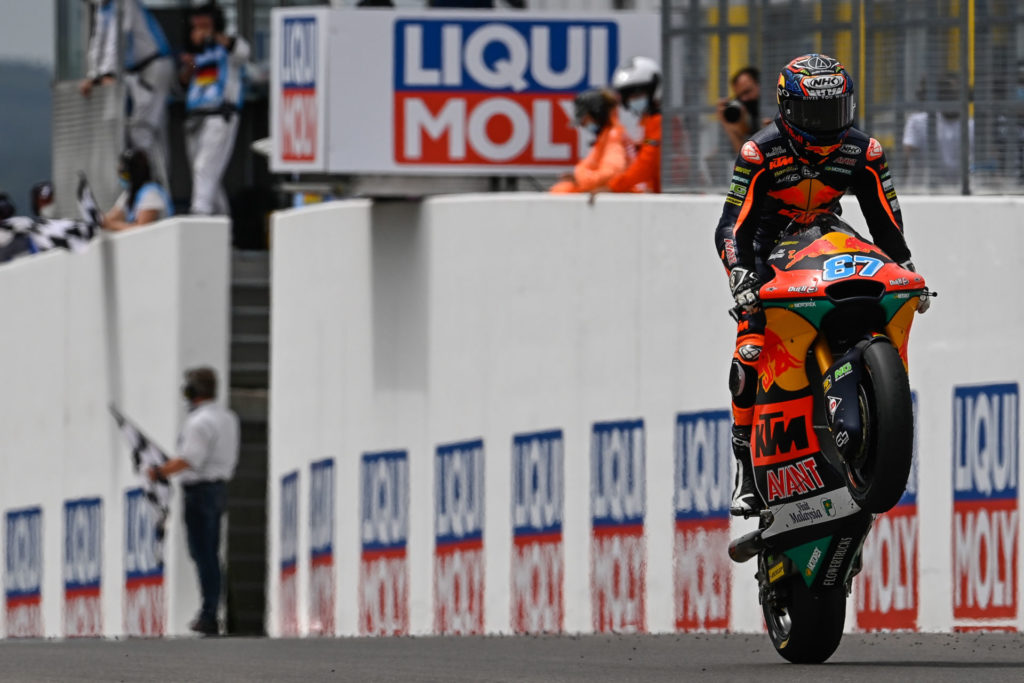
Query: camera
[(733, 111)]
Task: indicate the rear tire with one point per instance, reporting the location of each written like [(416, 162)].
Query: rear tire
[(807, 629), (878, 476)]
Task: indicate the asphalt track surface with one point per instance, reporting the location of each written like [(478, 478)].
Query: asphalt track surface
[(591, 659)]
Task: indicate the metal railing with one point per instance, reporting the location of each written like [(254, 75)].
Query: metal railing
[(940, 83)]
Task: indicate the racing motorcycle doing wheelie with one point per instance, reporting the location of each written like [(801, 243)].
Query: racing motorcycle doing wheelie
[(832, 436)]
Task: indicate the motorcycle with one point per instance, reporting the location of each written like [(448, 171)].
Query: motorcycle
[(832, 435)]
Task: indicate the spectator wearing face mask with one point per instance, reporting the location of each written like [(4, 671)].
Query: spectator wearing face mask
[(143, 200), (595, 112), (639, 86)]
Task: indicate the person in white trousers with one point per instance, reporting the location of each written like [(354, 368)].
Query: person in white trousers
[(148, 73), (214, 72)]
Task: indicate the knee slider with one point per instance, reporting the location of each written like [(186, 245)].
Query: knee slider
[(742, 384)]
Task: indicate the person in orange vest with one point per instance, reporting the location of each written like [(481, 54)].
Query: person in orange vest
[(639, 86), (595, 111)]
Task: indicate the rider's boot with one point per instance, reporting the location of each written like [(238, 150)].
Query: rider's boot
[(746, 501)]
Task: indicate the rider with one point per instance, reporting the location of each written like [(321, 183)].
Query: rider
[(639, 86), (793, 170)]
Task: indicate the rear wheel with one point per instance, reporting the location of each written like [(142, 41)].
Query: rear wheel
[(877, 476), (805, 627)]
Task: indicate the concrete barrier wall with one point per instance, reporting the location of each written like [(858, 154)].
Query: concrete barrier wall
[(117, 323), (521, 401)]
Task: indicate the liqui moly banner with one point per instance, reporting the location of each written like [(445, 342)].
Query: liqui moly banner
[(459, 538), (986, 517), (703, 488), (538, 495), (83, 567), (23, 573), (144, 596), (618, 505), (887, 587), (441, 92), (299, 56), (321, 548), (384, 531), (289, 540)]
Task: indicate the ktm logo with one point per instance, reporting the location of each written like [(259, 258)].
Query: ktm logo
[(773, 435), (781, 161)]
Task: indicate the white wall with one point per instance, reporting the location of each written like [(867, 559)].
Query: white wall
[(117, 323), (411, 325)]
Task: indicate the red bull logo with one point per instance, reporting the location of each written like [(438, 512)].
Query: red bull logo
[(808, 198), (776, 359), (832, 243)]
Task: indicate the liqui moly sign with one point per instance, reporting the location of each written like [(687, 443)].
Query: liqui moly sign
[(384, 532), (288, 539), (538, 495), (887, 586), (986, 517), (321, 547), (144, 603), (23, 572), (618, 506), (83, 567), (495, 92), (703, 488), (459, 538)]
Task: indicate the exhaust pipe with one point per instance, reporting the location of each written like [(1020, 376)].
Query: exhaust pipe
[(746, 546)]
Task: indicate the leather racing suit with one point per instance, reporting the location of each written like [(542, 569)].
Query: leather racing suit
[(773, 185)]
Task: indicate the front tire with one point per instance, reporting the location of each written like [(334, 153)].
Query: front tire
[(877, 476), (805, 627)]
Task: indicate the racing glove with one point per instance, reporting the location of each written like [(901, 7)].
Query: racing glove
[(925, 301), (745, 286)]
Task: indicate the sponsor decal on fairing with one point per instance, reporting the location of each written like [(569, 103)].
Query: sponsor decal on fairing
[(618, 506), (986, 515), (459, 538), (703, 488), (384, 531)]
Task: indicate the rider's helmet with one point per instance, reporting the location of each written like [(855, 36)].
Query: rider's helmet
[(816, 103), (598, 104), (638, 83)]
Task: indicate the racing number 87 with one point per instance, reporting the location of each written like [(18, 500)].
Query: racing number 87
[(838, 267)]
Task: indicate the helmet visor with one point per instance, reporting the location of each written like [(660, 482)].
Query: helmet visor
[(820, 115)]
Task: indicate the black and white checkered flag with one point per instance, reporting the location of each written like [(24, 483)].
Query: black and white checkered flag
[(146, 454), (57, 233)]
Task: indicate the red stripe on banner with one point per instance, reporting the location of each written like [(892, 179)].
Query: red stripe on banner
[(24, 600), (87, 592), (139, 581), (618, 530), (529, 539), (455, 546), (384, 553), (326, 559)]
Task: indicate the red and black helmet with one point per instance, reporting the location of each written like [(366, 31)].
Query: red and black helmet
[(816, 101)]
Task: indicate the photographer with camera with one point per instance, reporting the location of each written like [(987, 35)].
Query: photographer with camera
[(739, 116)]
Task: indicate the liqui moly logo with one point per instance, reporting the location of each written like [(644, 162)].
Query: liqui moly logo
[(289, 544), (23, 573), (618, 557), (458, 538), (538, 495), (493, 92), (298, 76), (887, 586), (384, 529), (985, 505), (143, 568), (321, 547), (83, 567), (703, 488)]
